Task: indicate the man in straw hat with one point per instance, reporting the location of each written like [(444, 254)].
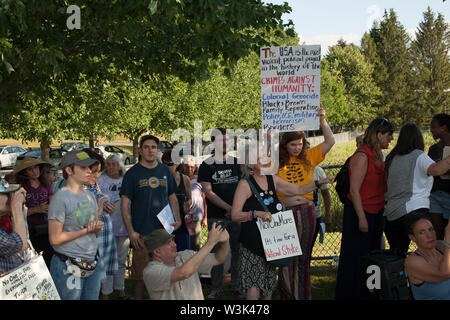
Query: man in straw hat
[(173, 275)]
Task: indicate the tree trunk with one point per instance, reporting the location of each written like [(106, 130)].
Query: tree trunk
[(91, 143), (45, 145), (135, 149)]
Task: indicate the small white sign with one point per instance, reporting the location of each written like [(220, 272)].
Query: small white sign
[(166, 218), (279, 236)]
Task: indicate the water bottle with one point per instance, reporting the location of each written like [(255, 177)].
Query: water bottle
[(335, 259)]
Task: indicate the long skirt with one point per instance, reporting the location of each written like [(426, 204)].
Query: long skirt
[(295, 281)]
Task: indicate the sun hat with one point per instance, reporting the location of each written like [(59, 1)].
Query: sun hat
[(27, 162), (156, 239)]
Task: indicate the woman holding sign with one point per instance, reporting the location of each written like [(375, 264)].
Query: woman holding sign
[(297, 165), (257, 275)]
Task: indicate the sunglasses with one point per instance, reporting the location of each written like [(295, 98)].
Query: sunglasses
[(169, 164), (381, 122)]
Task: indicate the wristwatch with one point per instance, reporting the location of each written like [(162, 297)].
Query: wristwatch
[(317, 183)]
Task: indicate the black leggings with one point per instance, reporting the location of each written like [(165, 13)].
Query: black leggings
[(355, 245)]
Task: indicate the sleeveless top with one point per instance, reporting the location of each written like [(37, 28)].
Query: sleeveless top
[(250, 237), (431, 290), (374, 184), (181, 197)]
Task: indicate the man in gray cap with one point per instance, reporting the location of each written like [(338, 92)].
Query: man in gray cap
[(173, 275)]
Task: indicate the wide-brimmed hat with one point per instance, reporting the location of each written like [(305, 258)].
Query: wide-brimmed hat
[(156, 239), (27, 162), (78, 157)]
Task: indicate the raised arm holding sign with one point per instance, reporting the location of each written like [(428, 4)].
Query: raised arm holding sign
[(290, 87)]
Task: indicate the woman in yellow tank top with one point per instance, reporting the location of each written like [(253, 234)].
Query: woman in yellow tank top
[(297, 166)]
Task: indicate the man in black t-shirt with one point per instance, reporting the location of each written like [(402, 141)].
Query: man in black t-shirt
[(440, 194), (219, 176)]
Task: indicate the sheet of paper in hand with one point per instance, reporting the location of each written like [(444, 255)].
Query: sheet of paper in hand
[(279, 236), (166, 218), (30, 281)]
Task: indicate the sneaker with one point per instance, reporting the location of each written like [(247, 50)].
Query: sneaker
[(215, 293)]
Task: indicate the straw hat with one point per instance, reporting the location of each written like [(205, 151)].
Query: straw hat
[(26, 163)]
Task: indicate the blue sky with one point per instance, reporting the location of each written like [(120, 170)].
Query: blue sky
[(325, 21)]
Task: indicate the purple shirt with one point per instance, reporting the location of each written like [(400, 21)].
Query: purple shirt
[(35, 197)]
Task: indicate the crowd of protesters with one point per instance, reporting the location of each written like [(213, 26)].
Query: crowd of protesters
[(88, 219)]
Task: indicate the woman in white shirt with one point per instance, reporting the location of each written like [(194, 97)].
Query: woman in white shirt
[(409, 180)]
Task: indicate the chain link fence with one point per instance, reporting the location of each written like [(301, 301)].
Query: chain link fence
[(328, 251)]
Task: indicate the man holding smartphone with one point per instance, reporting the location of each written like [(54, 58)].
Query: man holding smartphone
[(219, 176)]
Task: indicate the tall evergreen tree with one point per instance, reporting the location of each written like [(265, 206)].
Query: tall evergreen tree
[(356, 72), (431, 65), (392, 72)]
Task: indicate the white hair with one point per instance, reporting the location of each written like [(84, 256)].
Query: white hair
[(119, 161)]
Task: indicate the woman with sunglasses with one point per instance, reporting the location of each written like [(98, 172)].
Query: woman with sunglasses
[(183, 193), (363, 210)]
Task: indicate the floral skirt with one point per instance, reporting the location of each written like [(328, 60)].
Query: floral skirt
[(295, 282), (256, 272)]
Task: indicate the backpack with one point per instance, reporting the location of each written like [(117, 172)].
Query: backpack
[(343, 180)]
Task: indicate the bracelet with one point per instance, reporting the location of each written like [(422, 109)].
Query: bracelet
[(249, 215), (446, 243), (254, 214)]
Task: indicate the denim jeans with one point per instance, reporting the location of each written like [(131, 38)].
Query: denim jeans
[(74, 288)]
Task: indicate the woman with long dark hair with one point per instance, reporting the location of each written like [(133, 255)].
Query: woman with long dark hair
[(29, 174), (363, 210), (297, 166), (410, 174)]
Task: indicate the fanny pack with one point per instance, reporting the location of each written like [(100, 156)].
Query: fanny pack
[(78, 267)]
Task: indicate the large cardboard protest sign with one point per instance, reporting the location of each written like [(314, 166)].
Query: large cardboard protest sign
[(290, 87), (30, 281), (279, 236)]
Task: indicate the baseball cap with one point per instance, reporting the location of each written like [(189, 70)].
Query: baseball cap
[(156, 239), (78, 157)]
